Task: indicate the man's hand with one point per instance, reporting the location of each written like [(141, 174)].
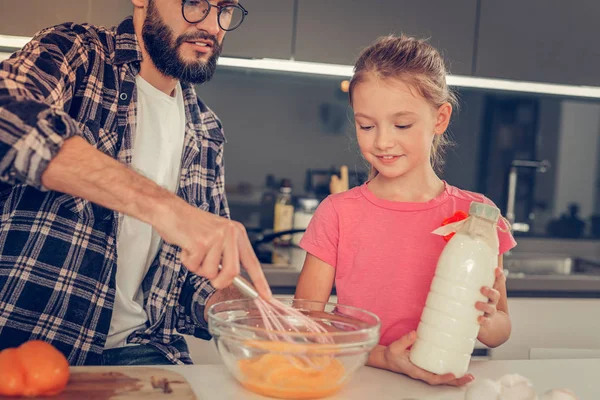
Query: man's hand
[(208, 241)]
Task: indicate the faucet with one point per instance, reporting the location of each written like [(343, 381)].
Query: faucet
[(540, 166)]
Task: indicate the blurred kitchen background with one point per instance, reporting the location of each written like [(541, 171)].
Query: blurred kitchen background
[(527, 133), (298, 127)]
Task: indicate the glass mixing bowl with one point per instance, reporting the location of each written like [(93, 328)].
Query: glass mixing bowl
[(290, 364)]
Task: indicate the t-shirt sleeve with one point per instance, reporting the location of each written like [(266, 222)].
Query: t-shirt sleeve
[(505, 238), (322, 234)]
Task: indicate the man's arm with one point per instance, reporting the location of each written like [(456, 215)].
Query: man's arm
[(40, 146), (206, 240)]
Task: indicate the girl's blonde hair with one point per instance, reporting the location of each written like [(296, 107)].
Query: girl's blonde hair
[(415, 62)]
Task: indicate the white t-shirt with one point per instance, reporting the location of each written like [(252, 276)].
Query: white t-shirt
[(157, 150)]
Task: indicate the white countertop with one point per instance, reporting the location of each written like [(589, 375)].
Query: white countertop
[(581, 376)]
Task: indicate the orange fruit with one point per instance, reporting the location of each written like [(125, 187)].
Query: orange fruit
[(12, 378), (35, 368)]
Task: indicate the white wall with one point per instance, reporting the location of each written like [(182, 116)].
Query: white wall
[(272, 125), (577, 168)]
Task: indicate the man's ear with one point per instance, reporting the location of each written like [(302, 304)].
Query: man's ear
[(140, 3)]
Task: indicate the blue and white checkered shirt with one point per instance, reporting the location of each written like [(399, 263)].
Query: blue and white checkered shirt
[(58, 252)]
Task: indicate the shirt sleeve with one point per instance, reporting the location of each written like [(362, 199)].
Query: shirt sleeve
[(36, 87), (321, 238), (193, 299)]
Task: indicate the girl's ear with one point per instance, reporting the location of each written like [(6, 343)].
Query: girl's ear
[(444, 112)]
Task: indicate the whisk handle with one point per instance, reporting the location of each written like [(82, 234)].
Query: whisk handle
[(245, 287)]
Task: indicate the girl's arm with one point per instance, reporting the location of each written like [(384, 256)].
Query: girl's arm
[(495, 324), (316, 280)]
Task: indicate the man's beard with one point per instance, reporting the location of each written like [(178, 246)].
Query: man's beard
[(163, 50)]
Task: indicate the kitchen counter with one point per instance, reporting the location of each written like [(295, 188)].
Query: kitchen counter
[(580, 376), (283, 277)]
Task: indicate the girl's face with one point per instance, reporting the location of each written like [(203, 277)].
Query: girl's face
[(395, 126)]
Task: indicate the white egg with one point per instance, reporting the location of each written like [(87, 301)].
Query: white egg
[(485, 389), (559, 394), (516, 387), (513, 380)]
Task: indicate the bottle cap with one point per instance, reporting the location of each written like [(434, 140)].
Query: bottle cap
[(485, 211)]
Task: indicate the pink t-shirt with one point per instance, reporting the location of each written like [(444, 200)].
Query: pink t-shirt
[(384, 253)]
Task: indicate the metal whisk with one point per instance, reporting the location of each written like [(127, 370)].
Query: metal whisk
[(275, 314)]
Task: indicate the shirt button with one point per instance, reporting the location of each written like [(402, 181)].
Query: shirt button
[(123, 96), (98, 340)]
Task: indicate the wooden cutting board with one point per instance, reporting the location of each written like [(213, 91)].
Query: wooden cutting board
[(116, 383)]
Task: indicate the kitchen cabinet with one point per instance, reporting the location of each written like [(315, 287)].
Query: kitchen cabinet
[(539, 40), (334, 31), (267, 31), (109, 12), (26, 17), (30, 16), (550, 323)]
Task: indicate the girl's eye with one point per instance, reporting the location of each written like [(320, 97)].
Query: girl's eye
[(403, 126), (365, 128)]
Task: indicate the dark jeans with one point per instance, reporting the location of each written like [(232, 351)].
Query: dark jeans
[(143, 354)]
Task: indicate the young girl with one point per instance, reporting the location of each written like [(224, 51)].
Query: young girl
[(375, 240)]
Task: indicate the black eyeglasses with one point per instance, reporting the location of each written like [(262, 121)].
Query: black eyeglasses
[(230, 16)]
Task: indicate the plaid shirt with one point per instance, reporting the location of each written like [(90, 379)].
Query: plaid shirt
[(58, 252)]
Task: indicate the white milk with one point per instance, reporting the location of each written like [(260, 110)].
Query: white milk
[(448, 328)]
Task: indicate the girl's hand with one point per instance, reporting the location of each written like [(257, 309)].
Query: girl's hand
[(397, 360), (493, 295)]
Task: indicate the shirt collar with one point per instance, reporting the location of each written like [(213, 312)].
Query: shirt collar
[(127, 48)]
